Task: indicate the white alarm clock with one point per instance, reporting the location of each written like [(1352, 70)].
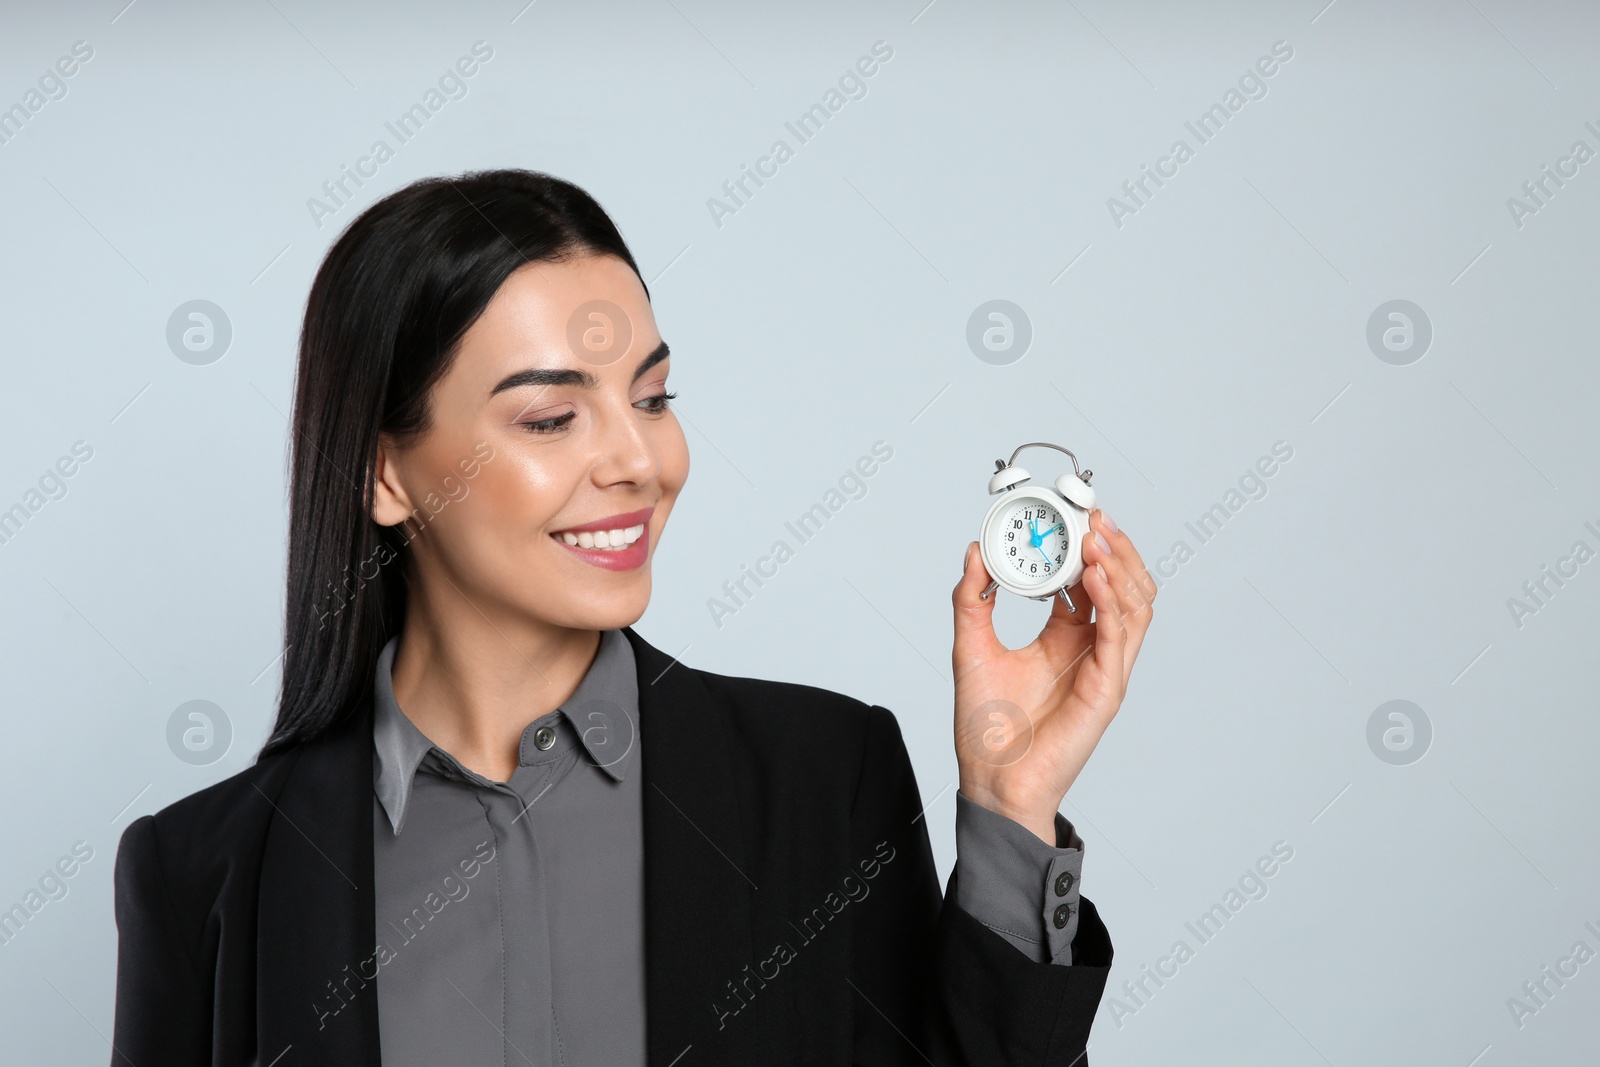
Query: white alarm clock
[(1032, 537)]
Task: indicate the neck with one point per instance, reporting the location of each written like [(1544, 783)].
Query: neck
[(473, 688)]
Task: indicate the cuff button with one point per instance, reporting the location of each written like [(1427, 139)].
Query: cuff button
[(1063, 883), (1063, 913)]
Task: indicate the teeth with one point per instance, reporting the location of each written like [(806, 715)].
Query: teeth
[(606, 540)]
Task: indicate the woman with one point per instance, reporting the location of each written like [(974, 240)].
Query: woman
[(493, 823)]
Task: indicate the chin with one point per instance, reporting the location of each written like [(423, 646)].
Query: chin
[(613, 610)]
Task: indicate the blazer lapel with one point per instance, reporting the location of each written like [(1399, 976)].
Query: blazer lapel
[(315, 991), (697, 879), (314, 946)]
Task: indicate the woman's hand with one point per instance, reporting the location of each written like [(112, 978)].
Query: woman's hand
[(1027, 719)]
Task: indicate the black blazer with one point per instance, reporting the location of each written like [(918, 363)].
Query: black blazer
[(775, 814)]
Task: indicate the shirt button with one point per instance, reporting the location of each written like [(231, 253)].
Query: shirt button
[(543, 738), (1063, 913), (1063, 883)]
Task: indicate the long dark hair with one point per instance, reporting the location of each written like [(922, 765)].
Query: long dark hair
[(386, 313)]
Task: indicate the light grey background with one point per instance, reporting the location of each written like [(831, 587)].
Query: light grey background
[(1227, 313)]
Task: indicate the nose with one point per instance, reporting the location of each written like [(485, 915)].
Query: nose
[(624, 452)]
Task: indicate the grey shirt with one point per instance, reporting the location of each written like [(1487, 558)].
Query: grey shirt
[(510, 915)]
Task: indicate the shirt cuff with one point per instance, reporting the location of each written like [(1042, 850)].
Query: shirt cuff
[(1016, 884)]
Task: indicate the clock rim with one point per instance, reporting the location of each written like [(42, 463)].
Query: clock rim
[(1070, 514)]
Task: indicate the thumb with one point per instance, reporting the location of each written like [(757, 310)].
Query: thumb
[(974, 617)]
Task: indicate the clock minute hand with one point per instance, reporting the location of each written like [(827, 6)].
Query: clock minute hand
[(1039, 541)]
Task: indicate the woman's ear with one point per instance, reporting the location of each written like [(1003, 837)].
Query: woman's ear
[(390, 503)]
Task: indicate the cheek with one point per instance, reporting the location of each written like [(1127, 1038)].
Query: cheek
[(516, 491), (674, 458)]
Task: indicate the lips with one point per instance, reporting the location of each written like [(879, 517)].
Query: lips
[(615, 542), (610, 522), (612, 535)]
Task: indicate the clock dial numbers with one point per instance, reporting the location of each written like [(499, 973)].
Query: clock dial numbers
[(1034, 541)]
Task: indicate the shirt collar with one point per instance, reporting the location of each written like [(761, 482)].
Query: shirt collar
[(603, 712)]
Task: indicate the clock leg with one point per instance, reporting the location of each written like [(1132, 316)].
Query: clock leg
[(985, 594), (1062, 593)]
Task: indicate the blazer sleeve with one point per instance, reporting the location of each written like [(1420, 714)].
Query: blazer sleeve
[(163, 1008), (933, 984)]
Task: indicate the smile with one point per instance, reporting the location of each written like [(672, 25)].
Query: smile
[(604, 540), (614, 543)]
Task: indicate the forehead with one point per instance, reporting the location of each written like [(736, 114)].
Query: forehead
[(544, 308)]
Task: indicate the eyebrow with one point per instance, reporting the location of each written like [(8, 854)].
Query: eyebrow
[(548, 376)]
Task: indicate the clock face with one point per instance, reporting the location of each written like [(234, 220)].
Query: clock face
[(1034, 541)]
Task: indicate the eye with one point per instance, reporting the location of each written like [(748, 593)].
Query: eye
[(657, 405), (552, 425), (658, 402)]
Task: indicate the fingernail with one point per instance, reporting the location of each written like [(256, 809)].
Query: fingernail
[(1101, 541), (1110, 525), (1102, 571)]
